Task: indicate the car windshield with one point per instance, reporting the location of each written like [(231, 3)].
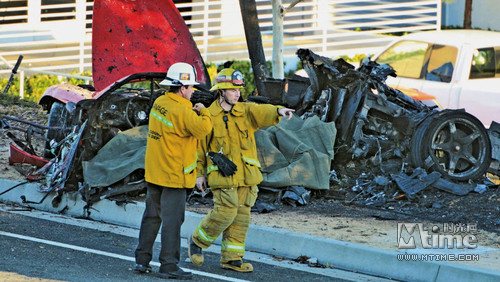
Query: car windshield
[(421, 60), (143, 84), (441, 63)]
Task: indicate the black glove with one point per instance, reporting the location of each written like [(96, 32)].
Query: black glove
[(225, 165), (206, 98)]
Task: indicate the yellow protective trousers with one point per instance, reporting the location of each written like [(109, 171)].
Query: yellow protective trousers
[(231, 217)]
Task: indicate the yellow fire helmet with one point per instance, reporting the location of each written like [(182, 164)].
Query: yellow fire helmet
[(228, 79)]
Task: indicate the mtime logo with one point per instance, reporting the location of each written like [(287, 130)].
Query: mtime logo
[(409, 232)]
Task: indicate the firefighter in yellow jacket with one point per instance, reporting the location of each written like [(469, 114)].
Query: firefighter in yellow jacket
[(233, 137), (175, 127)]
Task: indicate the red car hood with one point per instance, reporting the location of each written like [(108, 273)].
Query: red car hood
[(136, 36)]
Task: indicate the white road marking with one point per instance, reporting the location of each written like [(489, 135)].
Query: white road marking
[(108, 254)]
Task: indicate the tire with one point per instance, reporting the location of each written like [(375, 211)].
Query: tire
[(454, 143), (416, 158), (58, 117)]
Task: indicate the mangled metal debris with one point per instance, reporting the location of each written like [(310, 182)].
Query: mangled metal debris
[(371, 122), (416, 182), (296, 196), (494, 134), (419, 180), (381, 125), (263, 207), (378, 122)]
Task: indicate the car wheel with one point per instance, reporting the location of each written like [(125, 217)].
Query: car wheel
[(58, 117), (416, 156), (454, 143)]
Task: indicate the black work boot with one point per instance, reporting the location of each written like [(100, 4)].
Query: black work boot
[(194, 252), (178, 274)]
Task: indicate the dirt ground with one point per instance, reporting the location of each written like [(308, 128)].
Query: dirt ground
[(331, 218), (342, 212)]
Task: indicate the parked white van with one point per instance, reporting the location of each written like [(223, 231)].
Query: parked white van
[(449, 68)]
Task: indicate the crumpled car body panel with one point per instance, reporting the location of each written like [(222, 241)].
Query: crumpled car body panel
[(140, 36)]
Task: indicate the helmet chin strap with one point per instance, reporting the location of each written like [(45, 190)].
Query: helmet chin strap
[(225, 100)]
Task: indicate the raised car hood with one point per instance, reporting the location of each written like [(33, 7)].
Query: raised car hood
[(135, 36)]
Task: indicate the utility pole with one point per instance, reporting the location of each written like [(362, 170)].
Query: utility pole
[(468, 14), (254, 43), (278, 16)]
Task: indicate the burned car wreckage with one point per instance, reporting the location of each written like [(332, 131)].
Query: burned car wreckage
[(372, 120), (448, 149)]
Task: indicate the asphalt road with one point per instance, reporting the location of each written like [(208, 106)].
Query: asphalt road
[(46, 246)]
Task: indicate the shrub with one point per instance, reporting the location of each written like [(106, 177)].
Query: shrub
[(35, 85), (14, 87)]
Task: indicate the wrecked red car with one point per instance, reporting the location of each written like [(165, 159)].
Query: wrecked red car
[(129, 57)]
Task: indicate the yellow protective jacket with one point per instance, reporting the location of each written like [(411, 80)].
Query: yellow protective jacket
[(174, 130), (237, 141)]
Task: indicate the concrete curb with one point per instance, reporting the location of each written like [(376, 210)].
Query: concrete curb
[(272, 241)]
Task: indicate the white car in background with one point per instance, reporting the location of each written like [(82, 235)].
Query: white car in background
[(452, 69)]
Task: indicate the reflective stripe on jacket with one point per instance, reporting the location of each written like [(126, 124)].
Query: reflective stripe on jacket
[(236, 139), (174, 130)]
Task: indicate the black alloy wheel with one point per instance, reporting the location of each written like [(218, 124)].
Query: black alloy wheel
[(454, 143)]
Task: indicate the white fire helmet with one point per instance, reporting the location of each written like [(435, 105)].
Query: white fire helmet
[(180, 74)]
